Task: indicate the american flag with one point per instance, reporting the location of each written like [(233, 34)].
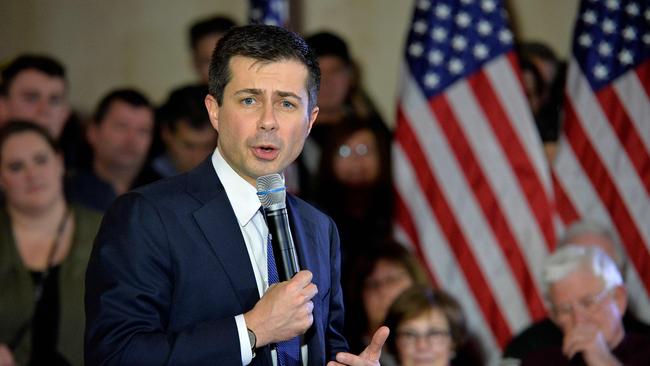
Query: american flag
[(270, 12), (474, 192), (602, 171)]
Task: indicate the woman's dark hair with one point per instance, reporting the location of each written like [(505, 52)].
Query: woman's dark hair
[(14, 127), (419, 300)]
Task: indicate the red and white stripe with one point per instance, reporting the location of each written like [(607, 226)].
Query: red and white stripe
[(475, 196), (602, 171)]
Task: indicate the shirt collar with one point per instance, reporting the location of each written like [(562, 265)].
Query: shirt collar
[(241, 194)]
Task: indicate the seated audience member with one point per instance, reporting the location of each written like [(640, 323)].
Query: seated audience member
[(45, 243), (341, 99), (186, 131), (203, 37), (545, 333), (33, 88), (371, 283), (427, 328), (120, 135), (588, 299), (354, 186)]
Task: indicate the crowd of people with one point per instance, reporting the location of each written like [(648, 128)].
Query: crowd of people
[(60, 172)]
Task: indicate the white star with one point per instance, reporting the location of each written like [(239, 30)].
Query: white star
[(467, 2), (277, 6), (416, 49), (612, 4), (632, 9), (646, 14), (436, 57), (609, 26), (625, 57), (629, 33), (481, 51), (439, 34), (600, 71), (605, 49), (442, 11), (484, 28), (420, 26), (431, 80), (488, 6), (585, 40), (424, 5), (459, 43), (463, 19), (505, 36), (456, 66), (589, 17), (646, 38)]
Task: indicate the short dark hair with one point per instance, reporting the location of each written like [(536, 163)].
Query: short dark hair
[(264, 43), (213, 25), (44, 64), (329, 44), (127, 95), (187, 105), (16, 126), (418, 300)]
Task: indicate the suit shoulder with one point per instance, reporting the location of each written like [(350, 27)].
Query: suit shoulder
[(307, 209)]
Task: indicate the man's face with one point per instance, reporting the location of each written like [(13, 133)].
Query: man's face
[(581, 304), (38, 97), (188, 146), (265, 117), (202, 53), (122, 139)]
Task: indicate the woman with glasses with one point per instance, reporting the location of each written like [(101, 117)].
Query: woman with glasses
[(427, 329), (44, 248)]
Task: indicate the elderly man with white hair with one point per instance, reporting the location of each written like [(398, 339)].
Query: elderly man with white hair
[(587, 299)]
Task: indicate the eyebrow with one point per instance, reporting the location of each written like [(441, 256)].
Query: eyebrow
[(255, 91)]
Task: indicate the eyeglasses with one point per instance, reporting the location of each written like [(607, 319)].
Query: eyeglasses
[(586, 304), (345, 151), (433, 335)]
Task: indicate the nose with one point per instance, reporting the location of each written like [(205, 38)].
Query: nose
[(268, 121)]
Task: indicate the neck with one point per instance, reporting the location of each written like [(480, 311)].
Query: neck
[(39, 220), (119, 178)]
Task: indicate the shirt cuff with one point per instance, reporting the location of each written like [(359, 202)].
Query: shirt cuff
[(244, 342)]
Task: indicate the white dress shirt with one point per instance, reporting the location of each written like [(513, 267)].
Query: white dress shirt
[(244, 201)]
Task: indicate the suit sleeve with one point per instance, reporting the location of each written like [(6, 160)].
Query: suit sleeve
[(334, 340), (129, 289)]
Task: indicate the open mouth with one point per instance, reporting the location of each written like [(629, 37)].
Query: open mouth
[(266, 152)]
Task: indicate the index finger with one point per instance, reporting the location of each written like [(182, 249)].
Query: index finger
[(303, 278), (373, 351)]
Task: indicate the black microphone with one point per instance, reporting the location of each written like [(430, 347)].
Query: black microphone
[(272, 195)]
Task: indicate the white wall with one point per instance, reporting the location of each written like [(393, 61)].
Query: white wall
[(142, 43)]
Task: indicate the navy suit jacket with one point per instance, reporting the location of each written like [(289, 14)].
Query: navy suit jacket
[(170, 270)]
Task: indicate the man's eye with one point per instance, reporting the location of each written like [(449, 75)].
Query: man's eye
[(287, 104), (248, 101)]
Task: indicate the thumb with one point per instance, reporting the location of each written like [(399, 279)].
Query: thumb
[(373, 351)]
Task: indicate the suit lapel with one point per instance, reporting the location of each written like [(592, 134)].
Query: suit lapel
[(219, 225)]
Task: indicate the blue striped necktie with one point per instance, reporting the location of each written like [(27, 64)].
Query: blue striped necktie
[(288, 351)]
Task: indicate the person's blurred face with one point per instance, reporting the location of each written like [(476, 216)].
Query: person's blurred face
[(336, 77), (122, 139), (425, 340), (38, 97), (381, 288), (265, 117), (31, 172), (580, 302), (188, 146), (202, 53), (530, 88), (357, 161)]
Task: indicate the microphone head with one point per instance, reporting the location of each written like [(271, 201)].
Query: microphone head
[(271, 191)]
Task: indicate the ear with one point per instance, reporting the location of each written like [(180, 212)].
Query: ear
[(312, 118), (213, 111)]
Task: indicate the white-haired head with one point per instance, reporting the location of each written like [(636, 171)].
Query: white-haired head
[(571, 258), (592, 233)]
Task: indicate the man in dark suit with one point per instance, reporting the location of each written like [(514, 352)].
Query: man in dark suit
[(179, 273)]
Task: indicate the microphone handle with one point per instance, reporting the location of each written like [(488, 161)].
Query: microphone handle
[(284, 250)]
